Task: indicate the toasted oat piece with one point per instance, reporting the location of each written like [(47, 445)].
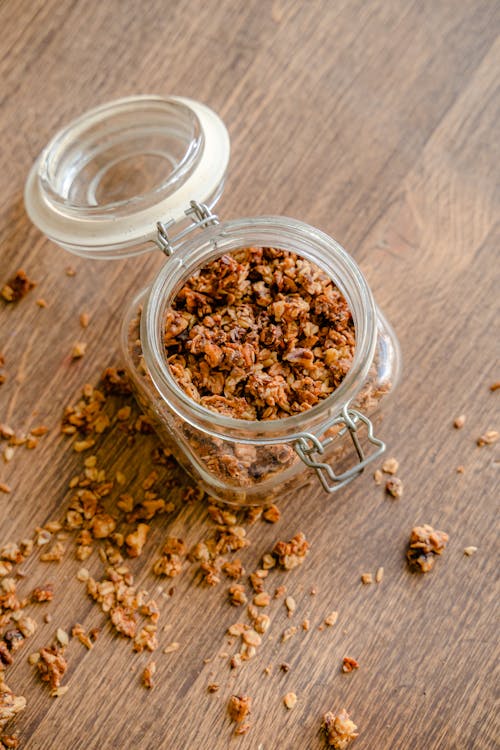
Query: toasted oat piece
[(390, 466), (147, 675), (339, 729), (488, 438), (349, 664), (290, 700), (425, 543), (239, 707)]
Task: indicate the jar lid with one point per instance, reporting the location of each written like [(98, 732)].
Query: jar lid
[(103, 182)]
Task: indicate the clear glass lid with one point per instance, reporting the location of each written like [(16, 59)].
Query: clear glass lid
[(104, 181)]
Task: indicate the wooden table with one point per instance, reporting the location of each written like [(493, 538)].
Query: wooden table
[(378, 123)]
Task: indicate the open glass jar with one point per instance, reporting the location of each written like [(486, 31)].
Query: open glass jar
[(145, 172)]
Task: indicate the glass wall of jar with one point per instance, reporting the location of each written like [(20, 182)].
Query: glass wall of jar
[(256, 462)]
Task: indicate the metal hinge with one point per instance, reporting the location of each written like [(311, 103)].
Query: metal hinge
[(307, 445), (201, 217)]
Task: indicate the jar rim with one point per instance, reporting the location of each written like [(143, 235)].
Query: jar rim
[(272, 231)]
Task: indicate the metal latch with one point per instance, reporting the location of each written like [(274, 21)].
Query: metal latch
[(307, 445), (201, 217)]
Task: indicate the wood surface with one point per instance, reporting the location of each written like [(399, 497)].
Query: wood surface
[(377, 122)]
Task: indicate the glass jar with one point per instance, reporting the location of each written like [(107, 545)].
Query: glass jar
[(97, 190)]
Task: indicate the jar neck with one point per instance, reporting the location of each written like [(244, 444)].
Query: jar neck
[(279, 232)]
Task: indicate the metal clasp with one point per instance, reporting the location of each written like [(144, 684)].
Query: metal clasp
[(307, 445), (201, 216)]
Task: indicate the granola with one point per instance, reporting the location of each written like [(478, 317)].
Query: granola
[(259, 334), (52, 665), (339, 729), (239, 707), (10, 704), (17, 287), (425, 543)]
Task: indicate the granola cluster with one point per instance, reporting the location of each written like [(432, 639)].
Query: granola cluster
[(339, 729), (17, 287), (259, 334), (425, 544)]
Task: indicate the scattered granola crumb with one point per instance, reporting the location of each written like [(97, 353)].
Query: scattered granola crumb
[(237, 595), (290, 700), (488, 438), (175, 646), (288, 633), (390, 466), (339, 730), (306, 624), (147, 675), (271, 514), (262, 599), (460, 469), (78, 350), (495, 386), (242, 728), (17, 287), (10, 704), (84, 319), (43, 593), (366, 578), (239, 707), (349, 664), (57, 692), (5, 488), (378, 476), (459, 422), (52, 665), (425, 543), (469, 551), (293, 553), (41, 302), (62, 637), (394, 487), (213, 687), (379, 575), (70, 271), (331, 619), (290, 604), (285, 667)]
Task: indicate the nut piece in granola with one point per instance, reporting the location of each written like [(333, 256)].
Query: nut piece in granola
[(339, 729), (425, 543), (239, 707)]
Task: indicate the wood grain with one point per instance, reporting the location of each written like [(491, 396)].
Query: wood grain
[(378, 123)]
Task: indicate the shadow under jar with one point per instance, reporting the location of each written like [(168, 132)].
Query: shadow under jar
[(238, 461)]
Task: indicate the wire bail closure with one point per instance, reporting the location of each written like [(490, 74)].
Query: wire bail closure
[(308, 444), (201, 217)]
